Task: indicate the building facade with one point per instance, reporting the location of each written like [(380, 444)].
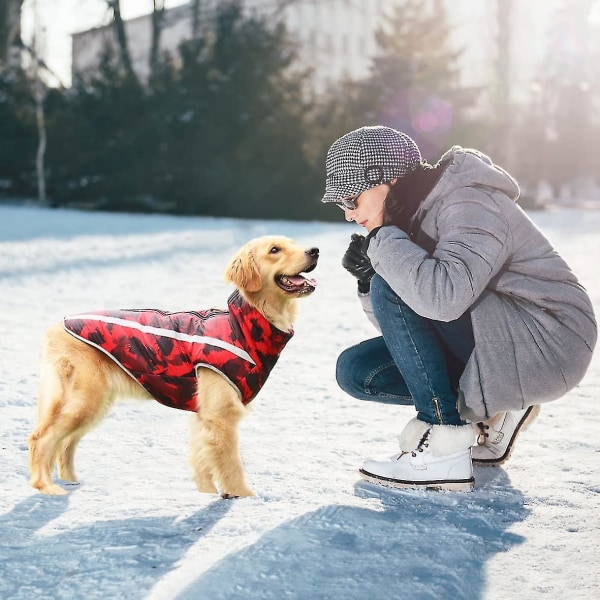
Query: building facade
[(337, 37)]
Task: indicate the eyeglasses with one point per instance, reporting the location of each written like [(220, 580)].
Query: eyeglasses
[(348, 203)]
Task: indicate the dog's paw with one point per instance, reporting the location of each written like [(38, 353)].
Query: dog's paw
[(245, 493), (53, 490)]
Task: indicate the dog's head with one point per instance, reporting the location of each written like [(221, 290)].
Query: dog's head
[(274, 263)]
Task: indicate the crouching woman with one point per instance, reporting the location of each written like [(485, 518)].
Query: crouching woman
[(481, 319)]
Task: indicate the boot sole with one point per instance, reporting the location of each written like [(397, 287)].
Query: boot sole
[(450, 485), (531, 413)]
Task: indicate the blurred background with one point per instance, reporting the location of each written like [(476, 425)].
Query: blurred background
[(227, 108)]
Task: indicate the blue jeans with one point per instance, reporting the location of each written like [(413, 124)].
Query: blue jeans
[(417, 361)]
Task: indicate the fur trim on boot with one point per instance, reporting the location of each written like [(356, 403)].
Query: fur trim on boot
[(412, 434), (448, 439)]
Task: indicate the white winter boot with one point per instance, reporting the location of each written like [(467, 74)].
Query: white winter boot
[(433, 456), (497, 436)]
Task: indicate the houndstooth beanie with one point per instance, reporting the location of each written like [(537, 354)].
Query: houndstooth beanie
[(367, 157)]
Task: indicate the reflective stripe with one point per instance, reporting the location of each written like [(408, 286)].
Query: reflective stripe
[(157, 331)]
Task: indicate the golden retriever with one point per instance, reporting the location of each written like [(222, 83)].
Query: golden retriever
[(80, 380)]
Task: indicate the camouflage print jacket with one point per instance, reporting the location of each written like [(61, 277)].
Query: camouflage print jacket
[(163, 350)]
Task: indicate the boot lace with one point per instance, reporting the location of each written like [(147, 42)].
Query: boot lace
[(422, 443), (483, 434)]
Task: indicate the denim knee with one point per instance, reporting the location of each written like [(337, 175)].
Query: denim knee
[(367, 372), (344, 372)]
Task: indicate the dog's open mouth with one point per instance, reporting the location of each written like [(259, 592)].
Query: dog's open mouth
[(297, 284)]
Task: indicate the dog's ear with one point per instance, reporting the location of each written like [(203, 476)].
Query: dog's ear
[(243, 271)]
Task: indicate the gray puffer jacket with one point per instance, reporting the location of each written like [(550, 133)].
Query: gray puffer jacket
[(533, 323)]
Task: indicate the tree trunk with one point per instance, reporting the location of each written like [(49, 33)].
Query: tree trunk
[(158, 14), (196, 19), (41, 149), (39, 94), (10, 32), (121, 34)]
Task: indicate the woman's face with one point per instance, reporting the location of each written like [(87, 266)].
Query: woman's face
[(369, 207)]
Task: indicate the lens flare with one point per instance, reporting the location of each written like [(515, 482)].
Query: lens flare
[(426, 117), (431, 116)]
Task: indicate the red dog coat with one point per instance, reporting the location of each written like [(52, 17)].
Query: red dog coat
[(162, 350)]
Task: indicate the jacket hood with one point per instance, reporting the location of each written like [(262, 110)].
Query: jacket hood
[(465, 167)]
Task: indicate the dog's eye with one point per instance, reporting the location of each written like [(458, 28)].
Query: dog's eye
[(275, 250)]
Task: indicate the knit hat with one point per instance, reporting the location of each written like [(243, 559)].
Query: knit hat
[(367, 157)]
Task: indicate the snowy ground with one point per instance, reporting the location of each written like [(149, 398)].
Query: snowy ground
[(137, 528)]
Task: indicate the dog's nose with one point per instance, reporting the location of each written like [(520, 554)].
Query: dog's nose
[(313, 252)]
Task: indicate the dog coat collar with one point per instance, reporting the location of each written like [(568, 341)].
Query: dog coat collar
[(162, 350)]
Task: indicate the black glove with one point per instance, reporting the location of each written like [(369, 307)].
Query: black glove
[(357, 263)]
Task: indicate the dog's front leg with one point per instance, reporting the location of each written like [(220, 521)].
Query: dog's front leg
[(217, 455)]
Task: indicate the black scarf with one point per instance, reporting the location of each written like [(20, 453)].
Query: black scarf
[(407, 194)]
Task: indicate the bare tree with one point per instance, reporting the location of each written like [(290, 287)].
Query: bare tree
[(39, 95), (158, 14), (10, 31), (119, 25), (196, 18)]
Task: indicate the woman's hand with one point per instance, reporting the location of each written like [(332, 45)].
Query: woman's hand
[(357, 263)]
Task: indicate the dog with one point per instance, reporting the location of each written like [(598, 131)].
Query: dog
[(211, 362)]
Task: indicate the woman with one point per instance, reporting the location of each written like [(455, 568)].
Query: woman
[(481, 319)]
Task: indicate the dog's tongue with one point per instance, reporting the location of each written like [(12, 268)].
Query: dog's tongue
[(299, 280)]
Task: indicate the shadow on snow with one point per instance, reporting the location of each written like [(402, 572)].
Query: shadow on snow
[(412, 545), (109, 559)]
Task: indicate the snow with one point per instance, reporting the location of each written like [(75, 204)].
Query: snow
[(136, 527)]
